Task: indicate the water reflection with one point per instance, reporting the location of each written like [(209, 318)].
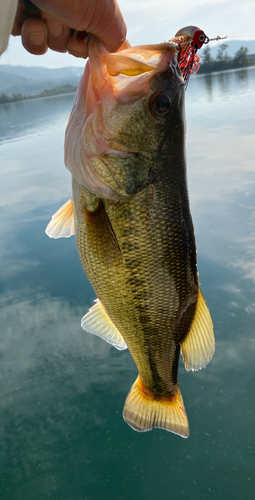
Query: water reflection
[(243, 78), (32, 155), (208, 84), (62, 390), (24, 118), (222, 85)]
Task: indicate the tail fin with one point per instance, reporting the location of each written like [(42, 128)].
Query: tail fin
[(143, 411)]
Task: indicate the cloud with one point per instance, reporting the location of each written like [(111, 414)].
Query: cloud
[(247, 265), (250, 309), (38, 325)]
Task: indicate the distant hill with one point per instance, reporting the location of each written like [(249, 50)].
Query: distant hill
[(233, 47), (33, 80)]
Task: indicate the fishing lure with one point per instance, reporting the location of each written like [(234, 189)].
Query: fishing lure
[(190, 39)]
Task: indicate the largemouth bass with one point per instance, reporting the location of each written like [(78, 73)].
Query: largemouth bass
[(125, 148)]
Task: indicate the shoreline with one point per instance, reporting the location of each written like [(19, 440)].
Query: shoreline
[(53, 92), (26, 98), (202, 73)]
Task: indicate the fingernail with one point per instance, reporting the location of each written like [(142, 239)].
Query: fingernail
[(37, 38), (55, 28)]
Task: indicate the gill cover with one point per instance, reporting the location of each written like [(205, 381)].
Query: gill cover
[(108, 80)]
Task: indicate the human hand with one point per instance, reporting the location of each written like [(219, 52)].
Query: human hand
[(63, 25)]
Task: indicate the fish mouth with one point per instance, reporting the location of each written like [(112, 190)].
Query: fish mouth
[(134, 61), (92, 135), (126, 74)]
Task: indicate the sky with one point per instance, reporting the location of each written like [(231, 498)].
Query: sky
[(154, 21)]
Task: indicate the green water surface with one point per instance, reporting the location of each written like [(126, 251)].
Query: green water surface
[(62, 390)]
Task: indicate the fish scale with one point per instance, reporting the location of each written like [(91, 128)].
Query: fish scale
[(155, 272)]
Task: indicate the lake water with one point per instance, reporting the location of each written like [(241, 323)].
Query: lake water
[(62, 390)]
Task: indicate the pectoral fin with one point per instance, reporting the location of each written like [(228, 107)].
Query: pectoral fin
[(62, 222), (198, 347), (97, 322), (101, 238)]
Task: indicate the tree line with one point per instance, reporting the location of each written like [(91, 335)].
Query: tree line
[(208, 64), (223, 61), (65, 89)]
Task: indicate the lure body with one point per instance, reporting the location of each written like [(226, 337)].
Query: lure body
[(189, 39)]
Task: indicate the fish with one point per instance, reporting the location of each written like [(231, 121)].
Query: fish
[(125, 149)]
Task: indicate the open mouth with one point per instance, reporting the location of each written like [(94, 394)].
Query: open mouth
[(126, 74), (141, 59)]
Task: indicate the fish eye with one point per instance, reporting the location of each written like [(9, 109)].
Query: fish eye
[(160, 103), (201, 38)]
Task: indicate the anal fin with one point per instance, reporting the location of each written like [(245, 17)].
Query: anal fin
[(143, 410), (198, 347), (62, 222), (97, 322)]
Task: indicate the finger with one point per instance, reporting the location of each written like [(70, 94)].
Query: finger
[(103, 18), (110, 26), (77, 44), (25, 9), (34, 36), (58, 35)]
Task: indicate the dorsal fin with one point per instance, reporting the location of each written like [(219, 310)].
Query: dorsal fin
[(97, 322), (198, 347), (62, 222)]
